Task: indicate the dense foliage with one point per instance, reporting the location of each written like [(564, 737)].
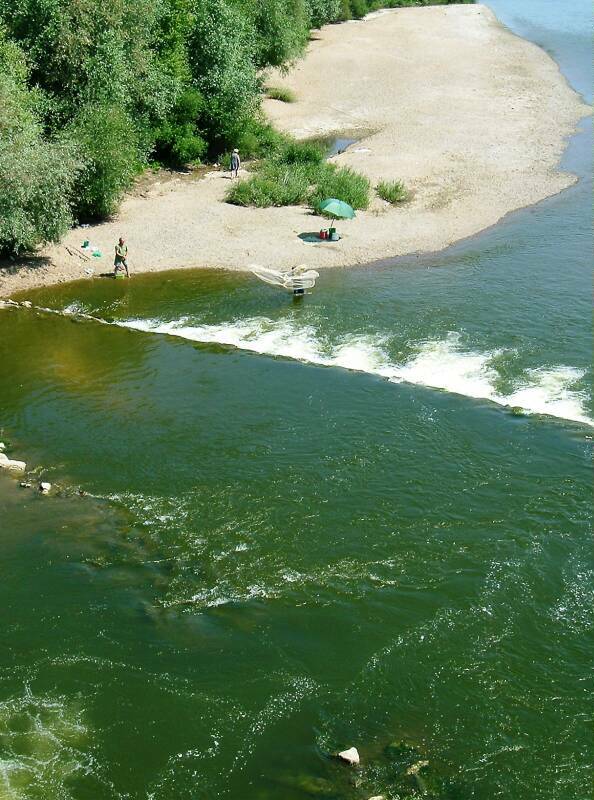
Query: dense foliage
[(297, 173), (91, 91)]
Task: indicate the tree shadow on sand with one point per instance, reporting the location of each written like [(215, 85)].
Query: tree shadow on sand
[(11, 266)]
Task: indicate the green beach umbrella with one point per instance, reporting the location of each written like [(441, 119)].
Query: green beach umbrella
[(337, 208)]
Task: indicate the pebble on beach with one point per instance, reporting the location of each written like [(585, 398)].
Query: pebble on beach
[(350, 756)]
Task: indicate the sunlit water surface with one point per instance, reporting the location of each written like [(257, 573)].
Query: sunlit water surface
[(359, 519)]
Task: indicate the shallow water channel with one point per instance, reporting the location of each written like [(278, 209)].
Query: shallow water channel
[(358, 519)]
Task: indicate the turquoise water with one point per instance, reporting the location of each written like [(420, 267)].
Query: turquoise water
[(361, 519)]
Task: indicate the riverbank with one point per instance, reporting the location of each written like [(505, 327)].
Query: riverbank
[(472, 118)]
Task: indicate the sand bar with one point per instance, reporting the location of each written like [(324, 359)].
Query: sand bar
[(471, 117)]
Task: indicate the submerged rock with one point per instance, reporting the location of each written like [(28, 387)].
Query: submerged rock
[(402, 751), (314, 786), (44, 487), (350, 756), (414, 770)]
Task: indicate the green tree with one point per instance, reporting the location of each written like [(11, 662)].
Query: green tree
[(105, 138), (221, 56), (323, 11), (282, 30), (36, 176), (178, 140)]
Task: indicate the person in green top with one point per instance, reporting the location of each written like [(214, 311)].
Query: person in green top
[(121, 257)]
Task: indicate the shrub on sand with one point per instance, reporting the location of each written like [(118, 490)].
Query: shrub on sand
[(297, 173), (343, 184), (310, 153), (282, 93), (274, 185), (392, 191)]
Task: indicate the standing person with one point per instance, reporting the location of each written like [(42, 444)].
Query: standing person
[(120, 262), (235, 163)]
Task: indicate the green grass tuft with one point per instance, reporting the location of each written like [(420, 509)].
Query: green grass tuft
[(303, 153), (392, 191), (342, 183), (296, 173), (282, 93), (273, 185)]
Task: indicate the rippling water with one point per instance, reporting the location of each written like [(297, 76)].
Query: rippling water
[(361, 519)]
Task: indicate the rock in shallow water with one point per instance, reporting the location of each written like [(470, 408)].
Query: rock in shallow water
[(12, 464), (350, 756), (44, 487)]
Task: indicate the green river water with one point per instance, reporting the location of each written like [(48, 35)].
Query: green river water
[(360, 519)]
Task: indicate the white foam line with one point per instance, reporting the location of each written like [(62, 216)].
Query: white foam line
[(439, 364)]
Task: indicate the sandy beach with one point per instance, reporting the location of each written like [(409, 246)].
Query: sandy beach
[(472, 118)]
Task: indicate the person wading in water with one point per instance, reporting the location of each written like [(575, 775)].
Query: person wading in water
[(121, 258)]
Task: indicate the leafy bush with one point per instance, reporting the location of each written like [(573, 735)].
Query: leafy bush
[(282, 93), (392, 191), (359, 8), (297, 174), (259, 139), (277, 185), (342, 183), (178, 141), (105, 138), (221, 54), (293, 152), (356, 9), (282, 30), (186, 146), (345, 11), (35, 180), (322, 11), (36, 176)]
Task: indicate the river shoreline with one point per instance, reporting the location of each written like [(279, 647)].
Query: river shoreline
[(471, 117)]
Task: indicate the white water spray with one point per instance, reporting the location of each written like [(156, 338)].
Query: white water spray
[(440, 364)]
